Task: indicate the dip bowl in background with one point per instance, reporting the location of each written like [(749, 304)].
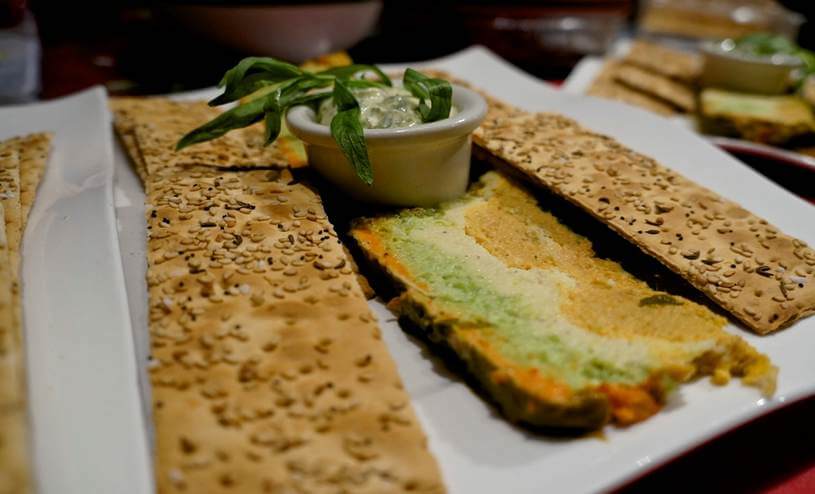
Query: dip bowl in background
[(726, 67), (421, 165)]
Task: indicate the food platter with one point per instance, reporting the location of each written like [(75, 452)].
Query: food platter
[(478, 450)]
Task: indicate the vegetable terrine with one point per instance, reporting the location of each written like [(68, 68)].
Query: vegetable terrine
[(555, 335)]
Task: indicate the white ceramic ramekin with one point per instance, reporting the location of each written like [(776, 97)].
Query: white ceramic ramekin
[(728, 69), (414, 166)]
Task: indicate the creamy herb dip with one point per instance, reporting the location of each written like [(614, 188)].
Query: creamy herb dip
[(380, 108)]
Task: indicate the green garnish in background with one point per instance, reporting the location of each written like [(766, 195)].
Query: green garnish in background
[(766, 44), (285, 85)]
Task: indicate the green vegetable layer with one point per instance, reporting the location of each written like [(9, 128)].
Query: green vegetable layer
[(518, 307)]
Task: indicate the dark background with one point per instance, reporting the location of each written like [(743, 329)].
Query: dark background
[(137, 47)]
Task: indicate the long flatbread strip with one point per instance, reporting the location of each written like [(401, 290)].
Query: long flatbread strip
[(156, 125), (606, 86), (34, 152), (128, 140), (15, 475), (672, 63), (760, 275), (675, 93), (10, 157), (22, 163), (127, 112), (268, 370)]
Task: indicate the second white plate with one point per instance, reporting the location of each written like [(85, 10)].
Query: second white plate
[(478, 450)]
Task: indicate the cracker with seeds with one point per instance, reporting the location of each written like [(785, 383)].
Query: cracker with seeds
[(676, 64), (656, 85), (10, 198), (128, 141), (268, 369), (760, 275), (22, 162), (34, 152), (154, 126), (127, 111), (130, 112), (15, 476), (606, 86)]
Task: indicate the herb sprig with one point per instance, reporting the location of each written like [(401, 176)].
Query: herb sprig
[(766, 44), (273, 87), (437, 91)]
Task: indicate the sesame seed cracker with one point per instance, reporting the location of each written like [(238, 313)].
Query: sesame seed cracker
[(762, 276)]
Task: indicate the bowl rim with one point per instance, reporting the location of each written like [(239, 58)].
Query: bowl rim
[(716, 48), (472, 108)]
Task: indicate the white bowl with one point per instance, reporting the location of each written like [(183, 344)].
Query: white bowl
[(728, 69), (413, 166), (291, 32)]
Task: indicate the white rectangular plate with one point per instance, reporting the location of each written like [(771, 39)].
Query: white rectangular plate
[(478, 450), (86, 421)]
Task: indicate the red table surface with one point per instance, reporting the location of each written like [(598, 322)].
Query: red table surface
[(773, 454)]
